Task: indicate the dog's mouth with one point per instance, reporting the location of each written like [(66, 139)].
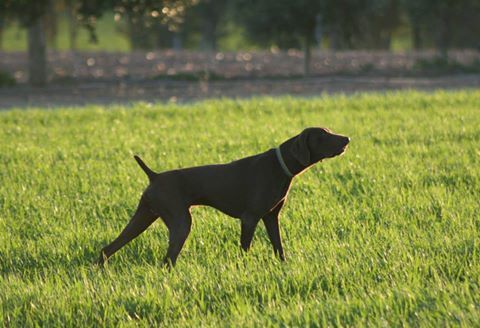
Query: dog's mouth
[(346, 144), (343, 147), (342, 150)]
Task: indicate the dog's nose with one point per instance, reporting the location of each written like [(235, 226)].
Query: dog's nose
[(347, 140)]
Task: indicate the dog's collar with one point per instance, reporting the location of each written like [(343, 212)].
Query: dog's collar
[(282, 162)]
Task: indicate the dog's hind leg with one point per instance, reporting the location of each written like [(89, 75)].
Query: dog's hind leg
[(179, 226), (140, 221)]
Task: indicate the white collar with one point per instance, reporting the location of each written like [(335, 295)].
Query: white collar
[(282, 162)]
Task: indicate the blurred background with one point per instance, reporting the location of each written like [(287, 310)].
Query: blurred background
[(156, 45)]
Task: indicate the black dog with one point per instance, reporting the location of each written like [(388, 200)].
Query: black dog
[(249, 189)]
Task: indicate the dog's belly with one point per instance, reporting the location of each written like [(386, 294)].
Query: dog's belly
[(255, 202), (237, 189), (229, 201)]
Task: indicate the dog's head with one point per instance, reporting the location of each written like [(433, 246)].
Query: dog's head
[(315, 144)]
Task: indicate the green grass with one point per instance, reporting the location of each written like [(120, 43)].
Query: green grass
[(386, 235)]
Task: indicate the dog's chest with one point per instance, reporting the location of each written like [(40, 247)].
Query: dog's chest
[(267, 197)]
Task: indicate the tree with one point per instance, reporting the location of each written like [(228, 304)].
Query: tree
[(349, 23), (31, 14), (356, 24), (287, 23), (2, 21), (418, 14), (342, 20), (377, 22), (71, 11), (50, 22), (142, 16), (2, 25), (445, 23), (210, 13)]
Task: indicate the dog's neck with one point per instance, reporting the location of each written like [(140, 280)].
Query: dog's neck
[(292, 164), (284, 166)]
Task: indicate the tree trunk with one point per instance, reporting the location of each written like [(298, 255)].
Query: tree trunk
[(337, 37), (51, 25), (37, 53), (333, 39), (416, 36), (209, 38), (307, 55), (177, 43), (138, 33), (1, 32), (443, 38), (72, 26), (134, 34), (318, 30), (386, 41)]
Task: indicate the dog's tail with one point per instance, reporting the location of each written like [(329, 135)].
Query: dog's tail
[(145, 168)]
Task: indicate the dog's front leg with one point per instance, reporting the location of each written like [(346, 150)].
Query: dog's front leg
[(249, 224), (271, 223)]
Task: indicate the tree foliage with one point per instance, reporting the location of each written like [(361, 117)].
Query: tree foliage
[(283, 22), (24, 11), (147, 12)]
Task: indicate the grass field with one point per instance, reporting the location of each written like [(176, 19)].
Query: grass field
[(387, 234)]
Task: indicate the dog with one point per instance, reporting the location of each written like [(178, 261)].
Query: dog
[(249, 189)]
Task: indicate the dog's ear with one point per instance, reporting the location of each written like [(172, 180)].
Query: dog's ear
[(300, 149)]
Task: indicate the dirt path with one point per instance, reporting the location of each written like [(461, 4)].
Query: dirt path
[(105, 78), (148, 65), (153, 91)]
